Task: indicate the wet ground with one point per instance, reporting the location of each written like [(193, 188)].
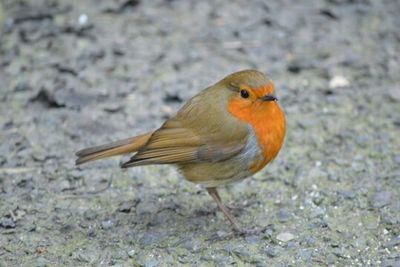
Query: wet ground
[(81, 73)]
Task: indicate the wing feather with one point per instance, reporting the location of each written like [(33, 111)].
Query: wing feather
[(193, 136)]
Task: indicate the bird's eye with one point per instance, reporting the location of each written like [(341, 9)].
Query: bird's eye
[(244, 93)]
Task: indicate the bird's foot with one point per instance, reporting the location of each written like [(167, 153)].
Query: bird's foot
[(237, 232), (247, 231)]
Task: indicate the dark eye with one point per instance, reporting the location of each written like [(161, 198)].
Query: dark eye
[(244, 93)]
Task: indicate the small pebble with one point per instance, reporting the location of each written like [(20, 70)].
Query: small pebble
[(107, 224), (338, 81), (221, 233), (64, 185), (67, 228), (131, 253), (151, 263), (390, 219), (347, 194), (83, 19), (272, 252), (370, 221), (253, 239), (113, 107), (309, 240), (285, 237), (243, 255), (305, 254), (7, 223), (91, 232), (22, 86), (330, 259), (41, 262), (30, 227), (333, 176), (339, 252), (127, 206), (381, 199), (292, 245), (150, 238), (392, 243), (90, 214), (192, 245), (317, 212), (397, 159), (394, 94), (390, 263), (283, 215)]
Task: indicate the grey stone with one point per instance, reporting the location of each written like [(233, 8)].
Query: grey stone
[(127, 206), (394, 94), (192, 245), (392, 243), (397, 159), (348, 194), (305, 254), (283, 215), (108, 224), (390, 219), (64, 185), (331, 259), (91, 232), (90, 214), (272, 252), (151, 263), (339, 252), (41, 262), (309, 241), (292, 245), (131, 253), (285, 237), (245, 255), (7, 223), (151, 238), (381, 199), (253, 239)]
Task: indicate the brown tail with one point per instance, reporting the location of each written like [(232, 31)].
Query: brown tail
[(120, 147)]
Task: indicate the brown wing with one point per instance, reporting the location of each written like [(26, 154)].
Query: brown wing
[(182, 145), (202, 131)]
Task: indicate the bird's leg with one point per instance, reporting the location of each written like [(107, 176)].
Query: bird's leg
[(214, 194)]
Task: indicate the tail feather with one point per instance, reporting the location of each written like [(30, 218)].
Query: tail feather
[(120, 147)]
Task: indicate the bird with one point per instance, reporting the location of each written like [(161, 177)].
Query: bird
[(226, 133)]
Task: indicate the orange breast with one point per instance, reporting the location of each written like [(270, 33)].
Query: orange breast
[(268, 122)]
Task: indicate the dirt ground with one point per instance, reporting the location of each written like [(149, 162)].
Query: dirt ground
[(80, 73)]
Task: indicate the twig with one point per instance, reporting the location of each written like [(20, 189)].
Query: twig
[(16, 170), (87, 194), (13, 217)]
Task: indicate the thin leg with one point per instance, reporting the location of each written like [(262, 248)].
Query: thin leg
[(217, 195), (214, 194)]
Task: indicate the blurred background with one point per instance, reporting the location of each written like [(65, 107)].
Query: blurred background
[(80, 73)]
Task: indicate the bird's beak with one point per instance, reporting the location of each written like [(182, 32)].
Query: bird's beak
[(269, 97)]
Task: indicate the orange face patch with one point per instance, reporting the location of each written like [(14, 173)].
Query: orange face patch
[(266, 118)]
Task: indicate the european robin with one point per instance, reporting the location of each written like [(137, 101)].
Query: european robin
[(226, 133)]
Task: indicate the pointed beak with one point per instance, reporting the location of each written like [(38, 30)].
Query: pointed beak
[(269, 97)]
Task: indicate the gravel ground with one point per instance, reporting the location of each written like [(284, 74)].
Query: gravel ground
[(80, 73)]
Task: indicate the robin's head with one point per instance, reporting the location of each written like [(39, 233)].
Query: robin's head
[(250, 92), (250, 86)]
